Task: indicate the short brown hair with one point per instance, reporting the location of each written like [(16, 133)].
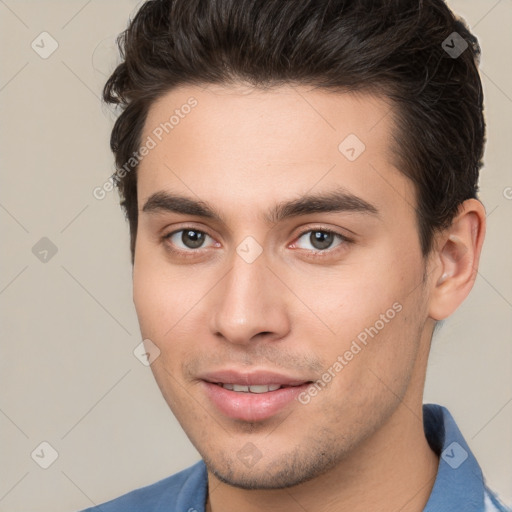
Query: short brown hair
[(396, 48)]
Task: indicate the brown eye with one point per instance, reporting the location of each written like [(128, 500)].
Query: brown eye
[(187, 238), (319, 239), (192, 239)]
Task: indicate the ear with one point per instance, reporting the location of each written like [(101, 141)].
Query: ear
[(455, 259)]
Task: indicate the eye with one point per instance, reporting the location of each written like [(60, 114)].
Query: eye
[(319, 239), (187, 239)]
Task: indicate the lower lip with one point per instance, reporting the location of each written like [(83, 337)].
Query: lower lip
[(251, 406)]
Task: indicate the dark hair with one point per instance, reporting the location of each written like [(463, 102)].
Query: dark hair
[(399, 49)]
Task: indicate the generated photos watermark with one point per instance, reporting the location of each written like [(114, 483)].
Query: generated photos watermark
[(357, 345), (150, 143)]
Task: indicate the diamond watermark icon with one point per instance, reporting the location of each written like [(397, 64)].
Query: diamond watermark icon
[(146, 352), (44, 45), (351, 147), (249, 455), (454, 455), (44, 455), (44, 250), (249, 249), (454, 45)]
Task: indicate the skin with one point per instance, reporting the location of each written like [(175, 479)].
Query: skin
[(359, 443)]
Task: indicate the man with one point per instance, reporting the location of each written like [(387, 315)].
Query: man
[(300, 178)]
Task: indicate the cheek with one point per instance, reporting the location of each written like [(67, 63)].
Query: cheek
[(369, 369), (166, 301), (161, 310), (161, 295), (370, 315), (147, 298), (343, 303)]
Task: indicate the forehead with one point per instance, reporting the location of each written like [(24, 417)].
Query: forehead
[(241, 146)]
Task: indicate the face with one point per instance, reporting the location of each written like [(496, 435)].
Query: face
[(278, 276)]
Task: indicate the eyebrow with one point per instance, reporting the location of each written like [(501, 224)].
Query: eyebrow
[(327, 202)]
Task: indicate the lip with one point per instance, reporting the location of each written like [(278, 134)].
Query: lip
[(251, 406), (254, 378)]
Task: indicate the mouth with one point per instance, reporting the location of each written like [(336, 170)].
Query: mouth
[(252, 397), (258, 389)]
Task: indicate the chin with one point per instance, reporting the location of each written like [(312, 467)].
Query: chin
[(292, 471)]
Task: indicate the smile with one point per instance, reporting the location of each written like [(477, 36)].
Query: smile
[(241, 388)]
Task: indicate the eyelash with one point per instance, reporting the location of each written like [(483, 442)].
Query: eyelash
[(191, 253)]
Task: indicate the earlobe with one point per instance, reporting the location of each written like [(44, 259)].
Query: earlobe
[(457, 257)]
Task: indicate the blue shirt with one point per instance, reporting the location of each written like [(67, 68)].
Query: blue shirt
[(459, 485)]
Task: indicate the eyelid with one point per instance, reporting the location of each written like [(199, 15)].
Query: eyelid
[(171, 229), (325, 229)]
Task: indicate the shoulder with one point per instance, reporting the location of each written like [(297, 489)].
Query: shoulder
[(183, 491)]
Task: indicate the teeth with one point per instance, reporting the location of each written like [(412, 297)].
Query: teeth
[(251, 389), (259, 389)]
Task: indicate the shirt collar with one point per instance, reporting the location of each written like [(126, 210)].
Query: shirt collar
[(459, 484)]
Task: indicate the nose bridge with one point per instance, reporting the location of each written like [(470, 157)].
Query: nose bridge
[(248, 301)]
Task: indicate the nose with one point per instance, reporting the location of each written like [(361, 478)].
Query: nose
[(249, 304)]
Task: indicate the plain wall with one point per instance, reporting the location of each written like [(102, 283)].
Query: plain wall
[(69, 376)]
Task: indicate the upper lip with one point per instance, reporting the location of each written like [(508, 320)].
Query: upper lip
[(254, 378)]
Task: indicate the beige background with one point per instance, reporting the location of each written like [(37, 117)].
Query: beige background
[(69, 376)]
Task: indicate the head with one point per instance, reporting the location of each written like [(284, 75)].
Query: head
[(304, 211)]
